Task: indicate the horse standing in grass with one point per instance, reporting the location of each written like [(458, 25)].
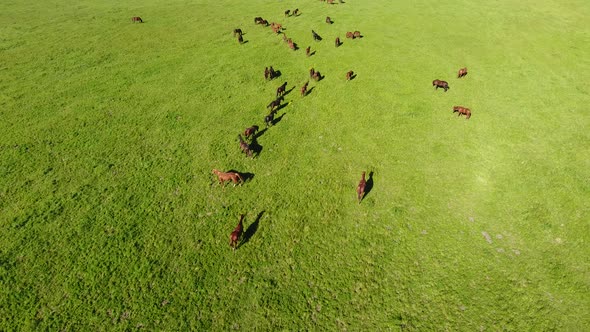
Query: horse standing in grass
[(237, 32), (308, 51), (269, 119), (250, 131), (272, 73), (136, 19), (462, 72), (304, 89), (234, 237), (349, 35), (240, 39), (245, 147), (462, 111), (317, 76), (275, 103), (296, 12), (349, 75), (360, 190), (337, 41), (266, 73), (316, 37), (281, 89), (311, 73), (229, 176), (287, 13), (440, 84), (329, 20), (356, 34)]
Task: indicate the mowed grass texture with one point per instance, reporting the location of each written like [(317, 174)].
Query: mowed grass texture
[(111, 219)]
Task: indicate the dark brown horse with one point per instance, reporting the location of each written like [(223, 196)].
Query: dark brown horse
[(308, 51), (296, 12), (349, 75), (440, 84), (356, 34), (287, 13), (240, 39), (266, 73), (237, 32), (229, 176), (136, 19), (304, 89), (250, 131), (462, 111), (275, 103), (328, 20), (234, 237), (269, 119), (337, 41), (462, 72), (349, 35), (317, 76), (316, 37), (311, 73), (281, 89), (245, 147), (272, 73), (360, 190)]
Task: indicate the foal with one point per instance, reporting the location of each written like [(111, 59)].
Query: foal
[(229, 176), (236, 234)]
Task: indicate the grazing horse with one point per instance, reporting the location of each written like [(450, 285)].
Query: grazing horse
[(287, 13), (360, 190), (275, 103), (337, 42), (308, 51), (440, 84), (229, 176), (234, 237), (317, 76), (136, 19), (281, 89), (258, 20), (462, 111), (328, 20), (316, 37), (269, 119), (311, 73), (349, 35), (250, 131), (237, 32), (304, 89), (349, 75), (462, 72), (245, 147), (356, 34), (266, 73)]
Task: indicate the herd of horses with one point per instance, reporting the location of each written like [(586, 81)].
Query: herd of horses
[(269, 74)]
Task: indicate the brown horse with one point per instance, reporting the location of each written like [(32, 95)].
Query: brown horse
[(237, 32), (360, 190), (275, 103), (440, 84), (356, 34), (337, 41), (234, 237), (136, 19), (269, 119), (349, 35), (349, 75), (296, 12), (281, 89), (245, 147), (272, 73), (266, 73), (240, 39), (308, 51), (229, 176), (331, 2), (462, 111), (291, 44), (311, 73), (462, 72), (250, 131), (287, 13), (328, 20), (304, 89), (317, 76), (316, 37)]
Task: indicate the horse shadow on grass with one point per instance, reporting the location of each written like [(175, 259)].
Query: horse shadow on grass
[(259, 133), (252, 229), (277, 74), (255, 147), (288, 91), (277, 120), (369, 185), (308, 92), (352, 77)]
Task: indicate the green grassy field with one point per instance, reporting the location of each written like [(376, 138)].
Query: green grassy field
[(111, 219)]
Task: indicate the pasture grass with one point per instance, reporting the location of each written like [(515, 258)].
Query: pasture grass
[(111, 219)]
